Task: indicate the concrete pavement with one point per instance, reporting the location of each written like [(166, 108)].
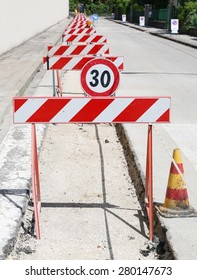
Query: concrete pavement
[(17, 70)]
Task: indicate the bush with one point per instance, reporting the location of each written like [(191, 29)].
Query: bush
[(187, 15), (194, 20), (101, 9)]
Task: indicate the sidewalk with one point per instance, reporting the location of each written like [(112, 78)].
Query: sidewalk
[(17, 69), (179, 38), (19, 65), (16, 72)]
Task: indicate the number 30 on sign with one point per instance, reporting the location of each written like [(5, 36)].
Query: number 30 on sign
[(100, 77)]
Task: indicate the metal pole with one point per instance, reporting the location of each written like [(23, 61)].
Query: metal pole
[(150, 171), (53, 76), (149, 182), (33, 171)]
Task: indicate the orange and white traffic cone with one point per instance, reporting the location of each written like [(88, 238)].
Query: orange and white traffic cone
[(176, 202)]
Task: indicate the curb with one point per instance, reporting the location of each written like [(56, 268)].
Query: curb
[(155, 34), (173, 39)]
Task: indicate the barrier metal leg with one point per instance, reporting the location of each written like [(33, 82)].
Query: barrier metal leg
[(53, 76), (59, 83), (35, 181), (149, 182)]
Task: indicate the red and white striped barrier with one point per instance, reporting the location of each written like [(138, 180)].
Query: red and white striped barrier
[(81, 31), (91, 49), (91, 110), (77, 38), (79, 25), (76, 62), (78, 19)]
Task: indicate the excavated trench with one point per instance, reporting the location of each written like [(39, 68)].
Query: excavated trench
[(160, 242)]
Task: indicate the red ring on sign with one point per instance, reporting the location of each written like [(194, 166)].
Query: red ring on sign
[(112, 67)]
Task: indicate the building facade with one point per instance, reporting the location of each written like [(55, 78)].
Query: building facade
[(22, 19)]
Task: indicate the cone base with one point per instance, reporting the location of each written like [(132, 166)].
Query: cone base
[(176, 213)]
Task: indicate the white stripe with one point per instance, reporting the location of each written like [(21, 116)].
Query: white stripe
[(70, 110), (156, 110), (82, 32), (85, 51), (114, 109), (88, 48), (73, 48), (53, 60), (71, 64), (79, 37), (52, 50), (28, 109), (45, 66), (118, 61)]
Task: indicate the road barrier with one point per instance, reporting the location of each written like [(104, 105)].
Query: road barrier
[(90, 49), (81, 31), (73, 62), (98, 78), (91, 110), (88, 39)]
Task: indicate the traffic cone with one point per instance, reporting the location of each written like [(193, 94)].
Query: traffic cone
[(176, 202)]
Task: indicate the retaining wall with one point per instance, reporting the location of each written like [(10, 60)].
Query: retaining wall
[(22, 19)]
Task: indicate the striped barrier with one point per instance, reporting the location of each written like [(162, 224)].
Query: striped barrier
[(88, 109), (65, 50), (88, 39), (79, 25), (91, 110), (80, 31), (76, 62)]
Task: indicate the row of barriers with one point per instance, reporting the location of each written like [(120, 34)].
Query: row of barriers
[(100, 75)]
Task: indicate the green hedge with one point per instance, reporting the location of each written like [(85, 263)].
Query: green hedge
[(187, 15)]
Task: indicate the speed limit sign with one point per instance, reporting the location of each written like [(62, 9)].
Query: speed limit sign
[(100, 77)]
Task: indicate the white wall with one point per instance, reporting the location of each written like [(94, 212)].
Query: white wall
[(22, 19)]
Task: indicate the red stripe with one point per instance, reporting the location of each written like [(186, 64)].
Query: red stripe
[(97, 38), (82, 62), (49, 47), (91, 110), (18, 103), (121, 67), (174, 194), (165, 117), (113, 59), (135, 110), (61, 50), (62, 61), (90, 30), (78, 25), (95, 49), (78, 49), (70, 38), (48, 110), (173, 169), (84, 38)]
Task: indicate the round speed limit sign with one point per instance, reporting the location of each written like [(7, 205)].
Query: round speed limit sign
[(100, 77)]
